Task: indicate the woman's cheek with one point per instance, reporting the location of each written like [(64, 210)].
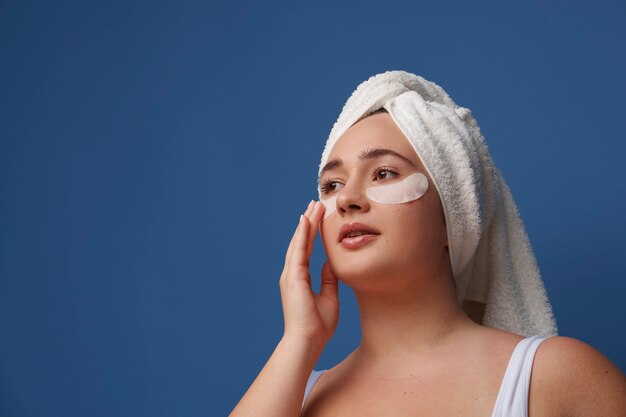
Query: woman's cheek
[(326, 233)]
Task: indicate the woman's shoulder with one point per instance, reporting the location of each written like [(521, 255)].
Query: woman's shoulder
[(570, 377)]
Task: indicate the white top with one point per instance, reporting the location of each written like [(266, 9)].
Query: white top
[(512, 398)]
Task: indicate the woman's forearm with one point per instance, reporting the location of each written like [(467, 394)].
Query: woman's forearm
[(278, 390)]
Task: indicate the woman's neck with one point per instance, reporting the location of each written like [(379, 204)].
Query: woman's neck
[(408, 323)]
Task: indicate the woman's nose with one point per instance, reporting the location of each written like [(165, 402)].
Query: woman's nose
[(352, 198)]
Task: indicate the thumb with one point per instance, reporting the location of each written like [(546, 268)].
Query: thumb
[(329, 283)]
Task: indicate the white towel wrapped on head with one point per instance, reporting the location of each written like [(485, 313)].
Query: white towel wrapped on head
[(491, 257)]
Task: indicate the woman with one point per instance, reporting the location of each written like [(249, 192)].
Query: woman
[(417, 220)]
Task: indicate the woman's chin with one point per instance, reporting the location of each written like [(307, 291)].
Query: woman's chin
[(356, 272)]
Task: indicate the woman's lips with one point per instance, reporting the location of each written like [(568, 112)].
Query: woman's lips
[(354, 235), (357, 241)]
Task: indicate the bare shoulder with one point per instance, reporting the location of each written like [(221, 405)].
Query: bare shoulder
[(571, 378)]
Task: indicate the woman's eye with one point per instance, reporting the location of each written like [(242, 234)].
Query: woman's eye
[(330, 186), (385, 174)]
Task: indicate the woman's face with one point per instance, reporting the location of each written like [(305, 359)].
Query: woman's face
[(404, 241)]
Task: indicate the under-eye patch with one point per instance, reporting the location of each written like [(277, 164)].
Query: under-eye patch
[(409, 189), (330, 204)]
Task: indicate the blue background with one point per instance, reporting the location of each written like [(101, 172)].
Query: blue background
[(155, 158)]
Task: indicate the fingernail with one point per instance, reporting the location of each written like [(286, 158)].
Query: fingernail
[(300, 221), (312, 201)]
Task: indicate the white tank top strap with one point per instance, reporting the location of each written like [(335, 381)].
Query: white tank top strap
[(512, 398), (315, 375)]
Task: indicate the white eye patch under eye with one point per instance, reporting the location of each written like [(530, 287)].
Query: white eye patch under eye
[(331, 206), (409, 189)]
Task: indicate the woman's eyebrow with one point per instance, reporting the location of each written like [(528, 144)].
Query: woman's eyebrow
[(378, 152), (367, 154)]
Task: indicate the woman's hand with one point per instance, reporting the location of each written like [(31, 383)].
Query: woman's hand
[(310, 321), (308, 316)]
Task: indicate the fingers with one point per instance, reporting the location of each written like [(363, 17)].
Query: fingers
[(315, 219), (301, 245), (330, 286), (298, 256), (290, 248), (314, 213)]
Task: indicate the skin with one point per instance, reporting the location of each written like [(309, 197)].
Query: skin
[(420, 354)]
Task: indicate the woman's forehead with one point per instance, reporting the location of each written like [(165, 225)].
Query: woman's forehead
[(374, 132)]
